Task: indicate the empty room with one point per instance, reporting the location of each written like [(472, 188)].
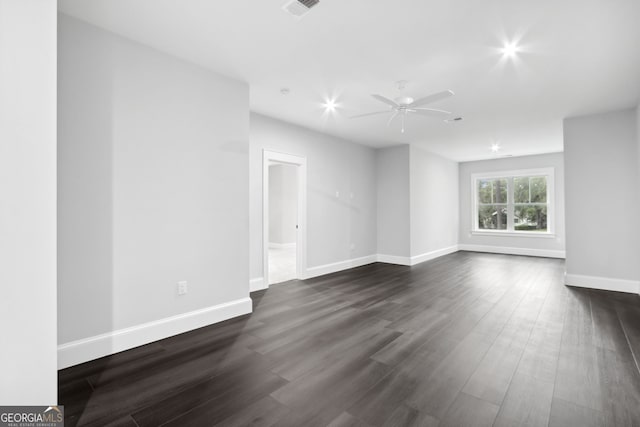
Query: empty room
[(320, 213)]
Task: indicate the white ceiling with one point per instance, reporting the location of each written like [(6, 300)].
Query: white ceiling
[(577, 57)]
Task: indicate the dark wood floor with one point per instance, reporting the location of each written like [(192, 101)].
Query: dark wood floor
[(464, 340)]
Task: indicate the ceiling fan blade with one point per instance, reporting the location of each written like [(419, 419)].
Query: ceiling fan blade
[(433, 110), (395, 114), (386, 100), (431, 98), (370, 114)]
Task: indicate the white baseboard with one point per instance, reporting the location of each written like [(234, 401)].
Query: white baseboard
[(427, 256), (321, 270), (603, 283), (394, 259), (546, 253), (91, 348), (258, 284), (281, 245), (417, 259)]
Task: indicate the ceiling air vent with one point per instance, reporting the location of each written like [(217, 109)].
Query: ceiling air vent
[(299, 8)]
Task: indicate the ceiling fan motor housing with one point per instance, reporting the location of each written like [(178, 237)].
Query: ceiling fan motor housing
[(404, 100)]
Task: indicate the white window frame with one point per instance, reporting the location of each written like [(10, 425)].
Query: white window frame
[(549, 173)]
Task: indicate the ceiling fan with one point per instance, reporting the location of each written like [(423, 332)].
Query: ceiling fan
[(404, 105)]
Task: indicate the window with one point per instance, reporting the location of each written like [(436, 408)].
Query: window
[(513, 202), (492, 204)]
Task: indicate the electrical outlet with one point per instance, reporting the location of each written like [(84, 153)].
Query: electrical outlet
[(182, 288), (337, 194), (353, 246)]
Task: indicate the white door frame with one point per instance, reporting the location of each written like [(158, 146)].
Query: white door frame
[(270, 157)]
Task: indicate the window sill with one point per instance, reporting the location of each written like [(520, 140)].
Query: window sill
[(534, 234)]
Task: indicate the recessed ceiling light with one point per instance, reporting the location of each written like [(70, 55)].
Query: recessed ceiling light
[(330, 105), (495, 147), (285, 91), (510, 49)]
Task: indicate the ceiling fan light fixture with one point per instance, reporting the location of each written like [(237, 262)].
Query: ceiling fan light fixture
[(404, 100)]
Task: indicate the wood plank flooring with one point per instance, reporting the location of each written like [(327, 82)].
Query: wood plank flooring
[(468, 339)]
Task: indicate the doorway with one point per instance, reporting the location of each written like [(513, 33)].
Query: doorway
[(283, 221), (284, 217)]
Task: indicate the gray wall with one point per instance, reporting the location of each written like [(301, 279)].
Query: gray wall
[(433, 202), (554, 160), (28, 368), (393, 188), (601, 160), (153, 184), (283, 203), (333, 165)]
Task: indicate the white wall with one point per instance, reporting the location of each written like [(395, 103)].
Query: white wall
[(153, 182), (85, 181), (393, 188), (28, 372), (334, 223), (542, 246), (283, 204), (601, 160), (433, 203)]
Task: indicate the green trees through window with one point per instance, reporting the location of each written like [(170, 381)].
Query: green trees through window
[(530, 203), (492, 204), (517, 203)]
